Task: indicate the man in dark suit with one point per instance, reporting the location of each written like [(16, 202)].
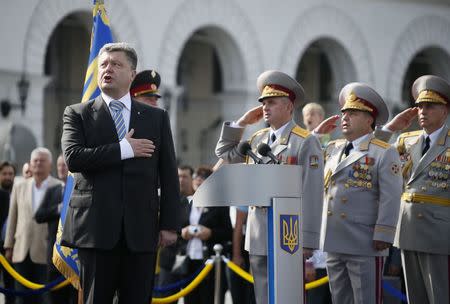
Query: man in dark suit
[(203, 228), (7, 174), (113, 213)]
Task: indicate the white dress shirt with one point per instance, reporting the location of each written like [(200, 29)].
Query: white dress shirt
[(357, 142), (433, 136), (38, 193), (195, 245), (125, 148)]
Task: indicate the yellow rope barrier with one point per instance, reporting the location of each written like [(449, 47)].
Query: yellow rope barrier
[(247, 276), (24, 281), (316, 283), (208, 267), (241, 272)]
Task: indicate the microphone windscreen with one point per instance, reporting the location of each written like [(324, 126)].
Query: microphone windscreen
[(264, 149), (244, 147)]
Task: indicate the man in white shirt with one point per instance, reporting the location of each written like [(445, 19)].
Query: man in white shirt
[(26, 240)]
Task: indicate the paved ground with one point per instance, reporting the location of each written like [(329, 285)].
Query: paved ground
[(227, 299)]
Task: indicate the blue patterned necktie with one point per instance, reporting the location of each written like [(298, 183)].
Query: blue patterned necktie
[(116, 107)]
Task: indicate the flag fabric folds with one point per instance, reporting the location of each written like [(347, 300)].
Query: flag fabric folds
[(66, 259)]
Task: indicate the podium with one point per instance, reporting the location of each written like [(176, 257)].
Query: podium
[(277, 188)]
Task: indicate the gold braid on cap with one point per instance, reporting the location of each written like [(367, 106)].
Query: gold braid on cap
[(353, 102), (430, 96), (271, 91)]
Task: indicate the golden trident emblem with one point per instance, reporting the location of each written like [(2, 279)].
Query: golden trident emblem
[(290, 234)]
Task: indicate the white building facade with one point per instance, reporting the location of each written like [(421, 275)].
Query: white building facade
[(209, 54)]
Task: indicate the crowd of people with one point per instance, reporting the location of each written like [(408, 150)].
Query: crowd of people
[(370, 209)]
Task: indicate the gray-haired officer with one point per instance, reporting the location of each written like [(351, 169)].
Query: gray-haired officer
[(280, 95), (424, 223), (361, 199)]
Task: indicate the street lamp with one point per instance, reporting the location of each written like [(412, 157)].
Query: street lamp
[(23, 85)]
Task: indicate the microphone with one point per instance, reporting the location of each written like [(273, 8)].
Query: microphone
[(265, 150), (244, 148)]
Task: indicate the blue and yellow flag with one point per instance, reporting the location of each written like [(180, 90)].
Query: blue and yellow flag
[(101, 35), (64, 258)]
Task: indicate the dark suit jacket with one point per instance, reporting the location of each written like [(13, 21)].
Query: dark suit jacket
[(4, 208), (48, 213), (218, 220), (167, 255), (111, 195)]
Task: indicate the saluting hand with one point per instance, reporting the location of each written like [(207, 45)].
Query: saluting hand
[(402, 120), (328, 125), (141, 147), (251, 116)]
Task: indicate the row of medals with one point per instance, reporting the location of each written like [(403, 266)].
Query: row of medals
[(438, 174), (359, 176)]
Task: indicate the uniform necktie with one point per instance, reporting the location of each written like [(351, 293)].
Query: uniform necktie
[(427, 145), (273, 138), (116, 107), (348, 148)]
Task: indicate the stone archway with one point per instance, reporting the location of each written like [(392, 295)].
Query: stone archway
[(324, 68), (329, 23), (225, 15), (48, 13), (429, 32)]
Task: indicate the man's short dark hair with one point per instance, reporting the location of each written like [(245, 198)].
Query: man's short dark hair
[(203, 172), (7, 164), (130, 53), (186, 167)]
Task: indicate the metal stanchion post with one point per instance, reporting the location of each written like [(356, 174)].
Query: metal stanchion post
[(218, 273)]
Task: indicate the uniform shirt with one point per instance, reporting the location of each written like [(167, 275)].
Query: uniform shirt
[(433, 136), (356, 143), (125, 148)]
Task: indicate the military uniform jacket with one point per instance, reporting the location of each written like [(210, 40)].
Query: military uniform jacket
[(424, 222), (296, 147), (361, 197)]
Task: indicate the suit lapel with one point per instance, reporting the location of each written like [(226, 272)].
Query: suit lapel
[(29, 194), (281, 143), (136, 113), (336, 154), (349, 160), (423, 162), (354, 156), (102, 120)]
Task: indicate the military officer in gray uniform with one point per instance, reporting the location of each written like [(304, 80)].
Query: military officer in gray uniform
[(280, 95), (361, 199), (424, 222)]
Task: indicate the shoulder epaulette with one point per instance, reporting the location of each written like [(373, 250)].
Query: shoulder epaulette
[(412, 133), (300, 132), (380, 143), (258, 132)]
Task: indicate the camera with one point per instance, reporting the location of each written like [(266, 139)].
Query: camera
[(194, 229)]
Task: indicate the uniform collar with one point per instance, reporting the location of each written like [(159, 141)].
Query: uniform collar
[(278, 132), (358, 143), (433, 136)]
